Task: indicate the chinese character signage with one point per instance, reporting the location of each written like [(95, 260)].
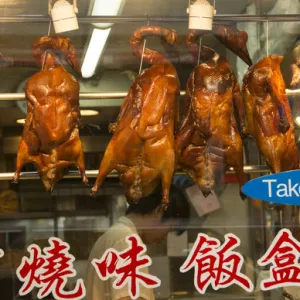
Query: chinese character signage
[(125, 267), (49, 272), (283, 188), (283, 257), (214, 264)]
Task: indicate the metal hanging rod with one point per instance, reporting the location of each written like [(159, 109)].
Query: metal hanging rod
[(101, 96), (143, 19), (94, 173), (87, 96), (83, 96)]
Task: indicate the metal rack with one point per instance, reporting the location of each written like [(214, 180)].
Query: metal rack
[(101, 96), (86, 96), (120, 95), (142, 19), (93, 173)]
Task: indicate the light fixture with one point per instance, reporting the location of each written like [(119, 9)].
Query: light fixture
[(100, 34), (94, 51), (297, 120), (107, 8), (63, 15), (20, 121), (201, 15), (88, 112)]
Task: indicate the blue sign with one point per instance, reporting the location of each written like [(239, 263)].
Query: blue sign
[(282, 188)]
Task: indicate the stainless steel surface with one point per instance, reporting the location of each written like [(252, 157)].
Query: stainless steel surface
[(100, 96), (143, 19), (94, 173)]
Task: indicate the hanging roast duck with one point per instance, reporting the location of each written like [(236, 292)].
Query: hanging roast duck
[(269, 118), (209, 140), (142, 148), (50, 137)]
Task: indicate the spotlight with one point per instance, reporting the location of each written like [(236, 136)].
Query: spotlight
[(201, 15), (63, 15)]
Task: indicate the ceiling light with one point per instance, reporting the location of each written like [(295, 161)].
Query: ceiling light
[(88, 112), (21, 121), (107, 8), (100, 34), (201, 15), (297, 120), (94, 51)]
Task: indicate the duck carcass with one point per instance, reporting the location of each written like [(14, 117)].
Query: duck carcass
[(142, 148), (50, 137)]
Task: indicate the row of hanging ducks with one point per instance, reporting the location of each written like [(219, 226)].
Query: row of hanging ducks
[(147, 146)]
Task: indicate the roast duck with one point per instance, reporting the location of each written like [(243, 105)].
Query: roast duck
[(209, 140), (269, 118), (142, 148), (50, 137)]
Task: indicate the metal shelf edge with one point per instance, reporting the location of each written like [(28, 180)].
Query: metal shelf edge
[(93, 173)]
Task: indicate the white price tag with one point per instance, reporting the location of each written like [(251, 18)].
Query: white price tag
[(201, 204)]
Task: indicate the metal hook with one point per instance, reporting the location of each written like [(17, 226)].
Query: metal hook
[(144, 47), (267, 37), (200, 48), (50, 5), (49, 31)]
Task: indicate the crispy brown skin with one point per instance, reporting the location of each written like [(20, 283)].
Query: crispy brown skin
[(233, 39), (51, 137), (209, 140), (269, 116), (142, 148)]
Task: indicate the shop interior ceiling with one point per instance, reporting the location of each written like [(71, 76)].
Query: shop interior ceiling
[(117, 61)]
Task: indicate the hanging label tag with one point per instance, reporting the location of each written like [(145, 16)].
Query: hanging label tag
[(201, 204)]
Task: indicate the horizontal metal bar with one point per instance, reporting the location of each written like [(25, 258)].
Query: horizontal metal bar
[(87, 96), (292, 92), (12, 96), (83, 96), (114, 174), (100, 96), (143, 19)]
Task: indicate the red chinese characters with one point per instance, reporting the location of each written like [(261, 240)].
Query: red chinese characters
[(126, 267), (215, 264), (283, 255), (49, 272)]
